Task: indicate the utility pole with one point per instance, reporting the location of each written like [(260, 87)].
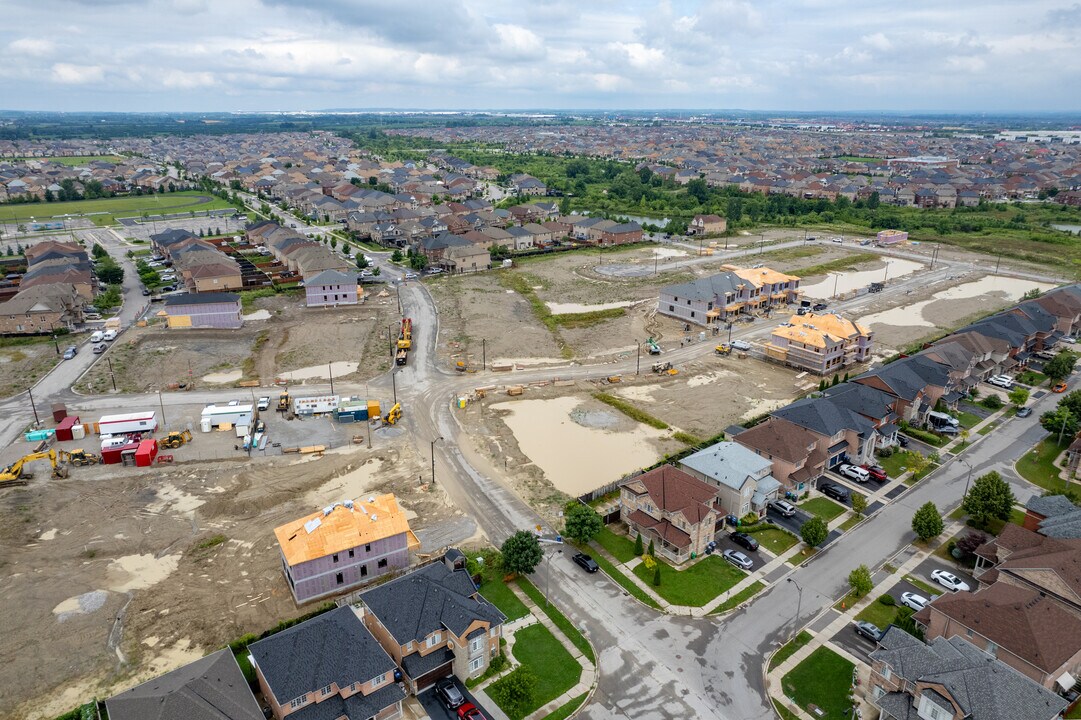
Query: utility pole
[(330, 371), (112, 375), (1065, 417), (968, 478), (394, 384), (998, 261), (162, 404), (37, 421), (483, 354), (799, 603), (433, 457)]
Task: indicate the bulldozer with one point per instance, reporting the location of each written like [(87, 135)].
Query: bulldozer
[(394, 415), (175, 439), (662, 367), (724, 349), (14, 473), (79, 457), (283, 401)]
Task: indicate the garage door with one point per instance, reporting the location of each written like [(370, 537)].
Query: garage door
[(428, 679)]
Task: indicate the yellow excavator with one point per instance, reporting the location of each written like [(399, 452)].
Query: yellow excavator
[(78, 457), (14, 473), (175, 439), (394, 415)]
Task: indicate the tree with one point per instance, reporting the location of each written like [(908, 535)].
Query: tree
[(638, 548), (836, 379), (582, 522), (656, 574), (1059, 367), (905, 622), (1018, 396), (652, 550), (333, 242), (110, 273), (970, 542), (927, 522), (99, 252), (396, 256), (1060, 420), (376, 272), (990, 497), (814, 531), (361, 261), (860, 581), (517, 688), (821, 385), (917, 462), (859, 503), (521, 553)]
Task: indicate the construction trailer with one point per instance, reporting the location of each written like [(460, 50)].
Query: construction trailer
[(221, 416), (316, 404), (356, 410), (128, 423)]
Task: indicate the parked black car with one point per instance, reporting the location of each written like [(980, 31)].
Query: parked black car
[(902, 441), (449, 693), (586, 563), (834, 491), (743, 540)]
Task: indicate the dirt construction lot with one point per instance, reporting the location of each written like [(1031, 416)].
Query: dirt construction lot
[(280, 339), (116, 574), (23, 361)]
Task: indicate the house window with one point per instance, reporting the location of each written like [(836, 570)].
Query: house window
[(298, 702), (363, 570), (379, 680), (350, 553), (878, 692), (324, 691), (475, 645), (368, 547), (382, 563), (335, 557), (339, 579), (433, 640), (671, 308), (476, 664), (886, 672)]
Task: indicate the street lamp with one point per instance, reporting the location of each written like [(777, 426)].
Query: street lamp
[(799, 603), (433, 457), (638, 369), (548, 573)]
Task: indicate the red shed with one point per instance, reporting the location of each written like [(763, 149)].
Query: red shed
[(112, 456), (148, 450), (63, 430)]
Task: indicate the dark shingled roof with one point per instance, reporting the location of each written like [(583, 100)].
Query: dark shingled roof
[(334, 647), (202, 298), (211, 688), (985, 688), (432, 598)]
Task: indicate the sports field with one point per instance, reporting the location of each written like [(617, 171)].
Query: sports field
[(76, 160), (104, 211)]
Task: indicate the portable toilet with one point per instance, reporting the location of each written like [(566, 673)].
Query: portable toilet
[(204, 424), (78, 432)]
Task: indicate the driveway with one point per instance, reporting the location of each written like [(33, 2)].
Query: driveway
[(850, 640), (924, 569), (827, 479), (865, 488), (759, 557), (438, 711), (791, 524)]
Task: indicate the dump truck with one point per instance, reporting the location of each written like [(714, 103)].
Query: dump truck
[(402, 356), (176, 439)]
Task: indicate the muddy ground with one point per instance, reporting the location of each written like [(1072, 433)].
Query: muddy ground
[(114, 575), (280, 336)]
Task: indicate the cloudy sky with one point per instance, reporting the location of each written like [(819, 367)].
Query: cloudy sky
[(204, 55)]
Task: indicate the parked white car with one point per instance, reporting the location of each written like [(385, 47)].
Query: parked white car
[(109, 335), (949, 581), (96, 337), (1002, 381), (264, 403), (914, 601), (854, 472)]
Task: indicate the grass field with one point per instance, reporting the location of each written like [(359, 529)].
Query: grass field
[(559, 619), (742, 596), (789, 649), (76, 160), (106, 210), (823, 679), (1038, 465), (497, 593), (773, 539), (879, 614), (620, 546), (556, 671), (822, 507), (696, 585), (624, 582)]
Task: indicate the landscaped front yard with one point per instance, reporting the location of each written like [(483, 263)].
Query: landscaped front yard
[(1038, 465), (497, 593), (789, 649), (554, 668), (822, 507), (772, 538), (619, 546), (695, 586), (879, 614), (823, 679)]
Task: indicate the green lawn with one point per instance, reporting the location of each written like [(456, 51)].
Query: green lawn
[(968, 420), (772, 538), (789, 649), (556, 671), (618, 546), (879, 614), (624, 582), (926, 436), (559, 619), (1037, 465), (1031, 378), (76, 160), (851, 522), (923, 585), (988, 428), (106, 210), (822, 507), (568, 708), (784, 712), (824, 679), (893, 464), (695, 586), (741, 597), (497, 593)]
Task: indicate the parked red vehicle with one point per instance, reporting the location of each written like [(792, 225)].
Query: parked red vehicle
[(876, 472), (469, 711)]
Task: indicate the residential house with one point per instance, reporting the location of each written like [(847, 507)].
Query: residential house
[(718, 298), (677, 511), (213, 276), (952, 679), (343, 546), (211, 688), (1054, 516), (707, 225), (434, 623), (331, 288), (741, 475), (840, 431), (327, 668), (202, 310), (1027, 609), (797, 457), (621, 233), (44, 308), (821, 344), (523, 184), (466, 258)]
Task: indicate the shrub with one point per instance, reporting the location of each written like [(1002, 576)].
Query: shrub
[(887, 600), (885, 452), (992, 402)]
